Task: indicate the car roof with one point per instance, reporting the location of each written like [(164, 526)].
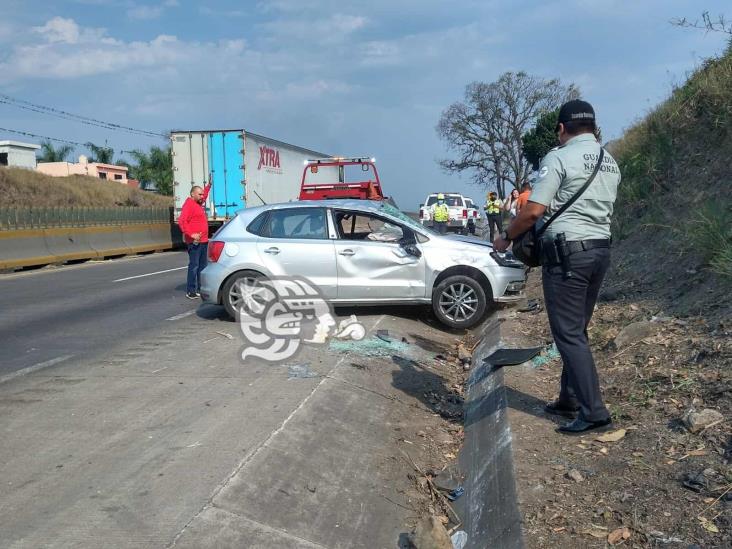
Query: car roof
[(348, 203)]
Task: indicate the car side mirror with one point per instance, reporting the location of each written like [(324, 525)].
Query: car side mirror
[(412, 250)]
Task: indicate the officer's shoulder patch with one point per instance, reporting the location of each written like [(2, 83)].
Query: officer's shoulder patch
[(543, 171)]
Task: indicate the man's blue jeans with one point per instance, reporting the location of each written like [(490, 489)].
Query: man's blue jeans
[(197, 260)]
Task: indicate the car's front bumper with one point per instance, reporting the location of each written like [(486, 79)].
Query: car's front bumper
[(509, 283)]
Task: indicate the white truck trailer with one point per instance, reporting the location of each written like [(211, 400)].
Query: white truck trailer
[(245, 170)]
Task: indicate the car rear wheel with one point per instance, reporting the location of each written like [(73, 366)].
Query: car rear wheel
[(459, 301), (237, 288)]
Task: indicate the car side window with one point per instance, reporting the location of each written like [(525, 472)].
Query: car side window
[(297, 223), (370, 228), (257, 226)]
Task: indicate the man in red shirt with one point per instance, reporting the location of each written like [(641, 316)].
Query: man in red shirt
[(194, 226)]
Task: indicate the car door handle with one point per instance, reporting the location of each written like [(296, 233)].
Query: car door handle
[(347, 251), (272, 250)]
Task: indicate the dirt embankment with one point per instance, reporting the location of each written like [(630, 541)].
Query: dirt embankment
[(25, 188), (667, 479)]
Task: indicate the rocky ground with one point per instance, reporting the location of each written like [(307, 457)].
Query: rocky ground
[(664, 476)]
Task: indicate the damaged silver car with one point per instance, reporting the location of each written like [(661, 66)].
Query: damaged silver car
[(360, 252)]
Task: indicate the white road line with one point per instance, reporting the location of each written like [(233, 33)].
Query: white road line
[(34, 368), (182, 315), (150, 274)]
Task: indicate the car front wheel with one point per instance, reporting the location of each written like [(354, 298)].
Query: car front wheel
[(459, 301)]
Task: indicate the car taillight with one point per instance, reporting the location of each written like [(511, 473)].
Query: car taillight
[(214, 250), (465, 214)]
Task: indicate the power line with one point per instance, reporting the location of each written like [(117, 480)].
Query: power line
[(34, 107), (28, 134)]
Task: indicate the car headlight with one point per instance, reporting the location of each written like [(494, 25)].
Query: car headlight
[(506, 260)]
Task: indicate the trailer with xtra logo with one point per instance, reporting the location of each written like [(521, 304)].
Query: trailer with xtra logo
[(244, 168)]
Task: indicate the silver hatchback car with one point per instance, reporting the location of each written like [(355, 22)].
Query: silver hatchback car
[(360, 252)]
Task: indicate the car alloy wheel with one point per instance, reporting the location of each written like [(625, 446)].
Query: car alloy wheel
[(241, 290), (459, 301)]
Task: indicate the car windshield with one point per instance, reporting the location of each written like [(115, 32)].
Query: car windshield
[(404, 218), (450, 200), (469, 203)]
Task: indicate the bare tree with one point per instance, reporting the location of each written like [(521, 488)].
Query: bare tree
[(720, 24), (485, 129)]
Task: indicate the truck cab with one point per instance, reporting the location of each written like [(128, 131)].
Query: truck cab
[(338, 177)]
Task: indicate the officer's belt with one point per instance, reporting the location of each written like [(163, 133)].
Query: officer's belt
[(575, 246), (549, 254)]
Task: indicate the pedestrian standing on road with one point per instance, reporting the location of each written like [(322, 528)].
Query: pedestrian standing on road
[(493, 208), (194, 226), (440, 214), (509, 204), (523, 197), (581, 235)]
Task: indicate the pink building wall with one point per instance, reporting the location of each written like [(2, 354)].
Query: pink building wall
[(110, 172)]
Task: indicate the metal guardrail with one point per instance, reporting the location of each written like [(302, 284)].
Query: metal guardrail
[(48, 218)]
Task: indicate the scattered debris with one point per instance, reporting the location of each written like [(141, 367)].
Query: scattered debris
[(384, 335), (634, 333), (532, 305), (372, 347), (464, 356), (549, 354), (575, 475), (459, 539), (618, 535), (612, 436), (696, 482), (300, 371), (456, 493), (227, 336), (696, 422), (430, 533)]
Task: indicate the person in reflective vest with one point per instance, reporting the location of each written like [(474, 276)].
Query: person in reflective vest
[(440, 214), (492, 209)]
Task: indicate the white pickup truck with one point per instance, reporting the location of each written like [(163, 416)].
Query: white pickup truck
[(460, 214)]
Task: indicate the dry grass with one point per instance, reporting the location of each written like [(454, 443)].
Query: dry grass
[(675, 166), (25, 188)]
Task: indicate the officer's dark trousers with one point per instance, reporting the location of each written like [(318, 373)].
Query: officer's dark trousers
[(569, 305), (494, 219), (440, 226)]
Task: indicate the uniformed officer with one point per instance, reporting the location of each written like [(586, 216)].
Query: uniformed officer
[(440, 214), (570, 300), (493, 208)]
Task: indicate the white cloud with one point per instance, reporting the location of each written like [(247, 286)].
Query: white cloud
[(145, 12), (59, 29)]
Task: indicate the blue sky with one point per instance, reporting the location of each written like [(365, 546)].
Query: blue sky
[(342, 77)]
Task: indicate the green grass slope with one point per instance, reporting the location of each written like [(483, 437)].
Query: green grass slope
[(673, 219), (26, 188)]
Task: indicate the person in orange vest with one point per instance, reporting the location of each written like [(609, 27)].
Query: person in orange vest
[(193, 224), (523, 197)]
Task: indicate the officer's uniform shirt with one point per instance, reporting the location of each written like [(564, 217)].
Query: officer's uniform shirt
[(563, 171)]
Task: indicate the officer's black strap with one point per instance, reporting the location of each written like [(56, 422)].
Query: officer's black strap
[(572, 200)]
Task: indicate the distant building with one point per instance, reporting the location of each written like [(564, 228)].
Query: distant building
[(111, 172), (18, 155)]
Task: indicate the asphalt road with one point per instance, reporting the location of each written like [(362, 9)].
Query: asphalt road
[(149, 430), (53, 314)]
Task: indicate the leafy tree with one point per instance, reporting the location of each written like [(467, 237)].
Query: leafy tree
[(485, 129), (155, 166), (102, 155), (541, 139), (49, 153)]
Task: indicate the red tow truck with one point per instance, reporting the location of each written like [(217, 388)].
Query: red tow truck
[(338, 177)]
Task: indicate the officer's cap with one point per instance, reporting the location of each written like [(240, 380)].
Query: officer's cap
[(576, 111)]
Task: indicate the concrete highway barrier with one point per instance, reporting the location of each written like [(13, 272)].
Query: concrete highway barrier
[(34, 247), (489, 509)]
